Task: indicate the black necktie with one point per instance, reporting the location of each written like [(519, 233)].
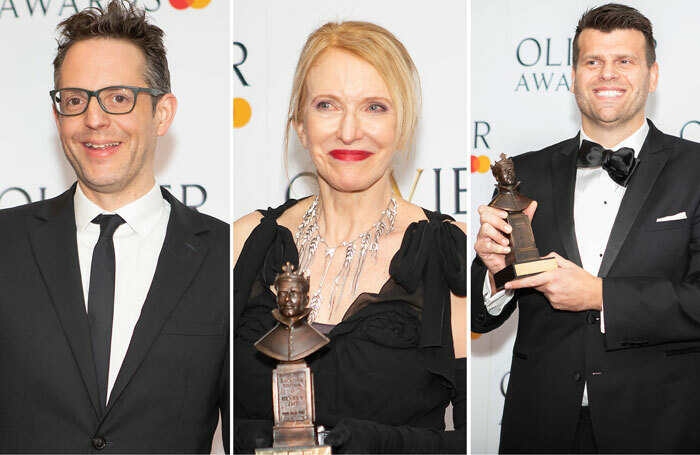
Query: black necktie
[(101, 299), (619, 164)]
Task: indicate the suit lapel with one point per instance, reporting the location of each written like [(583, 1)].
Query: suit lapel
[(563, 185), (180, 258), (652, 159), (55, 248)]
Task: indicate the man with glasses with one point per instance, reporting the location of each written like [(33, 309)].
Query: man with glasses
[(114, 296)]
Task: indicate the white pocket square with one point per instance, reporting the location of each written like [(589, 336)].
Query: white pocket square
[(677, 216)]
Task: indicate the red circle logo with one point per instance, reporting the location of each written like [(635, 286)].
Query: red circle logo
[(184, 4), (480, 164)]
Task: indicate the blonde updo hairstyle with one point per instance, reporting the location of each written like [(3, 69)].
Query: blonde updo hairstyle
[(378, 47)]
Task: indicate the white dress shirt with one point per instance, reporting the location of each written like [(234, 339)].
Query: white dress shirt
[(137, 245), (597, 200)]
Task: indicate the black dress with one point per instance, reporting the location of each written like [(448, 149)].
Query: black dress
[(390, 360)]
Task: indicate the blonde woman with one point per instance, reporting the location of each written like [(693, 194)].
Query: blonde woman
[(387, 277)]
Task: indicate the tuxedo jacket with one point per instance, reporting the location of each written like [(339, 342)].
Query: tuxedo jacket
[(175, 377), (643, 373)]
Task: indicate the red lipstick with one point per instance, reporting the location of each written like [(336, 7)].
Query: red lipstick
[(350, 155)]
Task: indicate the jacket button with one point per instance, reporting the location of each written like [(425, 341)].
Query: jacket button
[(577, 376), (591, 318), (99, 442)]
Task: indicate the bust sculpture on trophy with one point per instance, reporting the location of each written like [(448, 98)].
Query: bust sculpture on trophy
[(524, 258), (290, 341)]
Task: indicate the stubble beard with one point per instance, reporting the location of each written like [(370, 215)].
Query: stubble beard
[(627, 112), (120, 180)]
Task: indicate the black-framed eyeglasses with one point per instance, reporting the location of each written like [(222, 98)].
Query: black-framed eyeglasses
[(118, 99)]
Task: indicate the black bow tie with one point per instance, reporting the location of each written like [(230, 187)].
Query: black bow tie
[(619, 164)]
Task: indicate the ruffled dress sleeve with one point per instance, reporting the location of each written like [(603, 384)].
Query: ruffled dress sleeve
[(262, 256), (436, 252)]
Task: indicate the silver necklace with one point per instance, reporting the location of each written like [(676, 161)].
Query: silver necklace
[(308, 239)]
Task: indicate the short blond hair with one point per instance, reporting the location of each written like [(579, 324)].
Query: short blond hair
[(378, 47)]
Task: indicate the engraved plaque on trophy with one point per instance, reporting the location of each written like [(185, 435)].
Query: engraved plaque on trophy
[(524, 258), (292, 339)]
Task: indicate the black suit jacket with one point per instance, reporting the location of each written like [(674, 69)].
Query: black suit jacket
[(175, 376), (643, 374)]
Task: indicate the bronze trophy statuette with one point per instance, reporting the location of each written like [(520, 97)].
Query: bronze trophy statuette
[(523, 259), (292, 339)]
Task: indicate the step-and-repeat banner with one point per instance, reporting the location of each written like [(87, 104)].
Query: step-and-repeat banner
[(192, 159), (267, 39), (521, 75)]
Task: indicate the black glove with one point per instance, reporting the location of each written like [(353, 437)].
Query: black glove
[(364, 436), (251, 434), (354, 436)]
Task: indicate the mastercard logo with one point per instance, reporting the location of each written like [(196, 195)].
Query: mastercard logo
[(184, 4), (480, 164), (241, 112)]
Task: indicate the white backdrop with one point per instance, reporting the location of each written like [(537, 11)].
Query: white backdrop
[(521, 70), (268, 37), (273, 33), (193, 157), (195, 151)]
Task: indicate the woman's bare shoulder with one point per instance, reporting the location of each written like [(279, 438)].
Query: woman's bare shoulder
[(408, 213), (417, 213), (293, 215), (460, 225)]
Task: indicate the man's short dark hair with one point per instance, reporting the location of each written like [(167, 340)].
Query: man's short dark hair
[(120, 20), (614, 16)]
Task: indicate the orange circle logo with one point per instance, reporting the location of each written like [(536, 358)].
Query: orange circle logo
[(480, 164), (241, 112), (184, 4)]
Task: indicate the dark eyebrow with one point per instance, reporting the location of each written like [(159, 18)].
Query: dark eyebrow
[(615, 56)]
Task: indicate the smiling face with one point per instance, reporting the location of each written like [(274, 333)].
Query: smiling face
[(612, 79), (111, 154), (349, 122)]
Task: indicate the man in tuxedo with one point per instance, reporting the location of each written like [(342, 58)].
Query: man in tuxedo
[(607, 354), (114, 296)]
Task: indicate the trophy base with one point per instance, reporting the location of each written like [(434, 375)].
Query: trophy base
[(306, 450), (523, 269), (293, 436)]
